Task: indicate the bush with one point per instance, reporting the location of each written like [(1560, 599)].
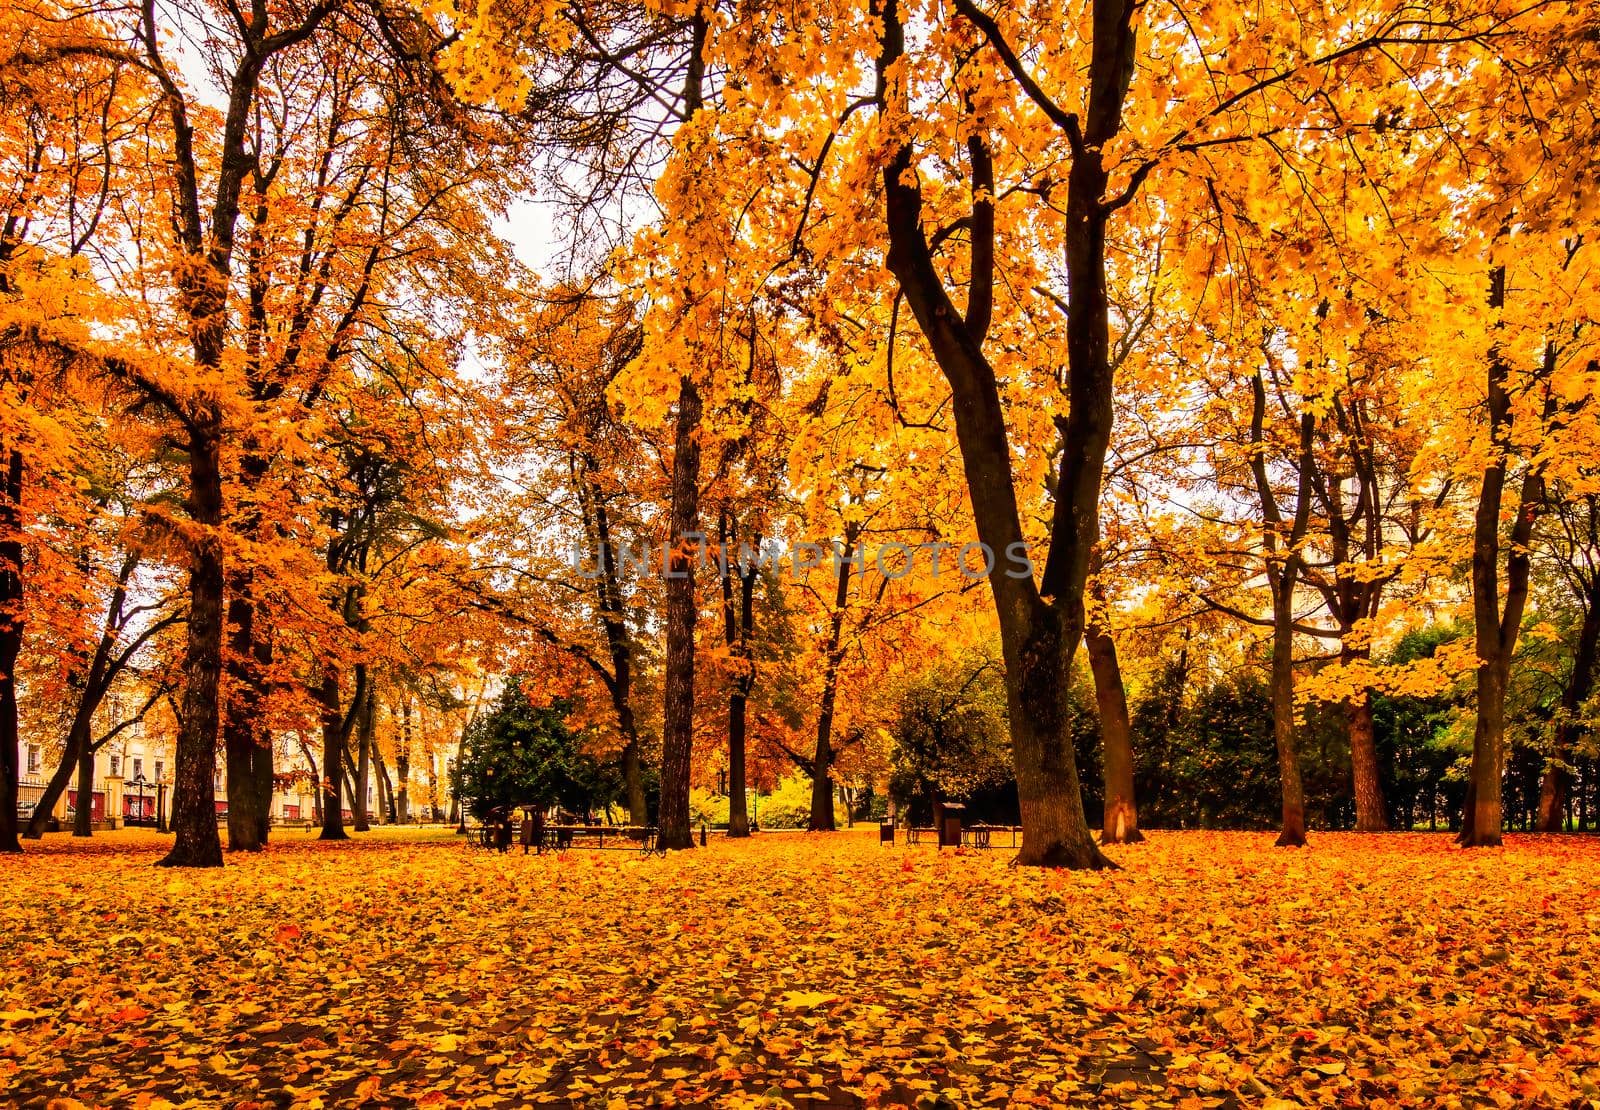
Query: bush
[(706, 808), (789, 806)]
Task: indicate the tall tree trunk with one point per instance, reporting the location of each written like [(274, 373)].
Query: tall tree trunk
[(386, 807), (738, 614), (332, 757), (1293, 832), (197, 842), (1121, 822), (402, 765), (1556, 786), (262, 776), (433, 789), (821, 763), (1038, 658), (738, 802), (363, 776), (677, 733), (1370, 813), (1280, 545), (242, 725), (1495, 627), (821, 817), (11, 631), (1041, 623), (619, 643), (683, 521), (83, 813)]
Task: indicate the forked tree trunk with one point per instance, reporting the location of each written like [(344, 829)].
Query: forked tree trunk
[(1496, 627), (386, 808), (1055, 832), (1040, 623)]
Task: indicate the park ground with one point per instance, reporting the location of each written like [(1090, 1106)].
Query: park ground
[(406, 969)]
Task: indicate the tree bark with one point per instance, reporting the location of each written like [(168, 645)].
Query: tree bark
[(1121, 822), (364, 724), (619, 644), (738, 614), (386, 807), (1370, 813), (11, 632), (1495, 627), (1556, 785), (677, 724), (1280, 546), (1038, 635), (243, 728), (821, 764), (332, 757), (738, 801), (1293, 831), (402, 765), (83, 812), (197, 842)]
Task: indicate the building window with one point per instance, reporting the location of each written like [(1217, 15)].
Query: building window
[(159, 769), (116, 765), (34, 755), (138, 767)]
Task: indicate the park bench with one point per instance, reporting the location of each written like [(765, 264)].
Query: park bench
[(502, 828), (972, 836), (561, 838), (982, 836)]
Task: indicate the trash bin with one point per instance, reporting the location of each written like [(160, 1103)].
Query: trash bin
[(947, 823), (885, 832)]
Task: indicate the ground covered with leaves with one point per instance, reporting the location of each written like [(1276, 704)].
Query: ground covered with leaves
[(803, 970)]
